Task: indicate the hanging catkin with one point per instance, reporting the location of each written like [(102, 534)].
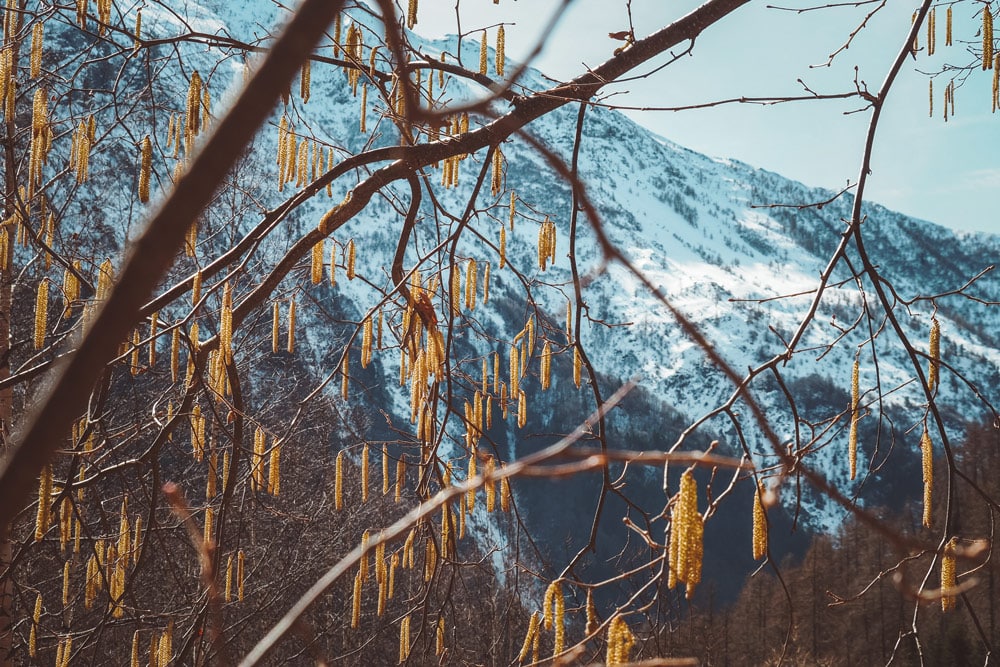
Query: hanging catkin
[(553, 608), (933, 374), (291, 327), (33, 634), (345, 377), (411, 14), (496, 175), (546, 369), (318, 256), (927, 469), (501, 42), (350, 259), (620, 642), (948, 575), (759, 524), (932, 31), (36, 50), (304, 81), (529, 637), (41, 313), (852, 442), (686, 531), (42, 518), (145, 167), (338, 483), (364, 473), (987, 37), (483, 60), (471, 281)]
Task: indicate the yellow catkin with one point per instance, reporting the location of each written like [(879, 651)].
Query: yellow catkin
[(165, 649), (229, 579), (620, 642), (948, 575), (35, 619), (385, 470), (356, 601), (43, 516), (350, 259), (318, 256), (291, 328), (145, 167), (430, 559), (947, 27), (71, 284), (193, 114), (503, 246), (577, 366), (759, 524), (134, 662), (411, 14), (209, 525), (338, 483), (154, 321), (446, 528), (274, 471), (41, 313), (489, 469), (471, 284), (933, 374), (987, 37), (515, 372), (685, 546), (404, 639), (593, 622), (400, 478), (483, 60), (175, 353), (138, 29), (304, 80), (500, 57), (345, 377), (240, 574), (366, 342), (496, 174), (363, 569), (363, 124), (134, 365), (852, 442), (440, 643), (364, 473), (558, 620), (37, 33), (927, 467), (393, 564), (66, 580), (546, 369), (529, 637), (930, 98), (931, 31)]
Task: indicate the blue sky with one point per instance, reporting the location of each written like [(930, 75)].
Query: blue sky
[(947, 173)]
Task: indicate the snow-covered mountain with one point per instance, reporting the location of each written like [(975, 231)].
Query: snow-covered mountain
[(704, 230)]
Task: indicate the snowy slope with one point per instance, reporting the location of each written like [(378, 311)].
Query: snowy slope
[(692, 224)]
